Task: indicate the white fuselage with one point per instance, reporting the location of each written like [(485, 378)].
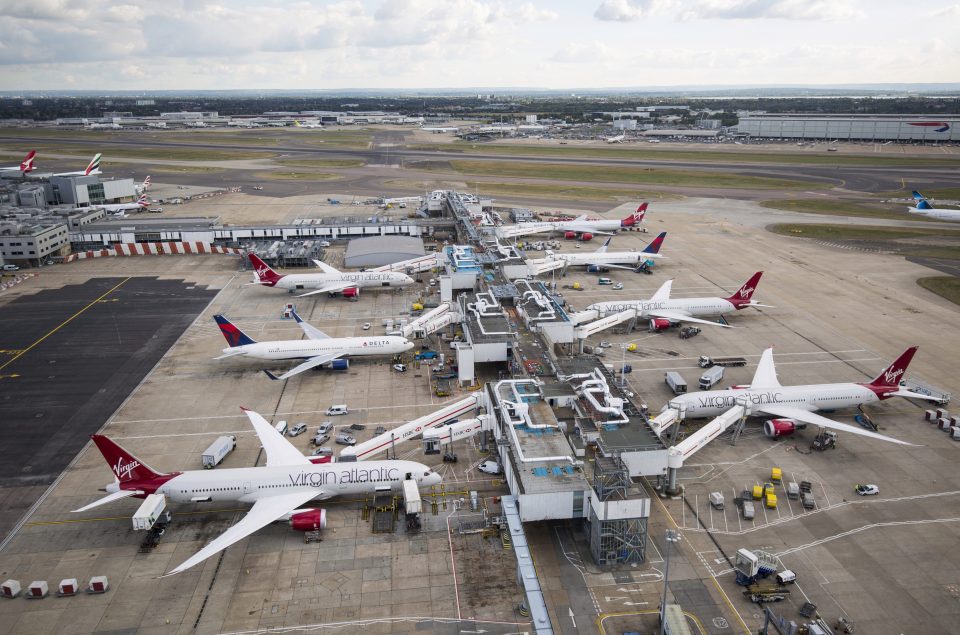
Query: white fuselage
[(712, 403), (304, 349), (362, 280), (248, 484), (609, 257), (693, 307), (944, 214)]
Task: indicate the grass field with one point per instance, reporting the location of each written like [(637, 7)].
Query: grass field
[(734, 154), (853, 232), (949, 193), (320, 163), (573, 192), (843, 208), (173, 169), (83, 149), (624, 175), (298, 176), (944, 286), (355, 139)]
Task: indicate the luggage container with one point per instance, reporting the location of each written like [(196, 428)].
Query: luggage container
[(98, 584), (149, 512), (711, 378), (793, 491), (776, 474), (68, 587), (10, 589), (411, 498), (929, 415), (217, 451), (941, 413), (944, 423), (716, 500), (955, 433), (38, 589)]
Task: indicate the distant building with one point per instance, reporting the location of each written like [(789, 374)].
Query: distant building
[(519, 215), (32, 243), (852, 127), (376, 251)]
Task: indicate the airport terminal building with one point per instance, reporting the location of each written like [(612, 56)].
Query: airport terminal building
[(924, 128)]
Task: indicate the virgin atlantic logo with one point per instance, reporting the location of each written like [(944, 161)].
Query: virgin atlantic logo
[(892, 377), (746, 291), (124, 470)]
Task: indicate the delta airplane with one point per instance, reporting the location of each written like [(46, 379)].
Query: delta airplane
[(288, 480), (924, 208), (92, 168), (25, 166), (582, 227), (603, 259), (139, 205), (664, 312), (330, 281), (319, 349), (795, 406)]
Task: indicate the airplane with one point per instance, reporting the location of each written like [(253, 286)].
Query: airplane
[(664, 312), (25, 166), (277, 489), (319, 349), (143, 187), (603, 259), (924, 208), (795, 406), (617, 139), (307, 124), (140, 204), (92, 168), (330, 281), (582, 227)]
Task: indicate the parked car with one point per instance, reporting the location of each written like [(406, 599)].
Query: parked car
[(400, 368), (339, 409), (325, 427), (346, 439), (618, 286), (605, 344), (489, 467), (320, 439), (298, 429), (324, 451), (867, 490), (366, 326)]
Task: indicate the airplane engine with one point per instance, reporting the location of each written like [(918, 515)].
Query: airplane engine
[(351, 292), (570, 235), (339, 364), (659, 324), (586, 236), (309, 520), (320, 459), (776, 428)]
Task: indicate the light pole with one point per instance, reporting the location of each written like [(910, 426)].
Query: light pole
[(672, 536)]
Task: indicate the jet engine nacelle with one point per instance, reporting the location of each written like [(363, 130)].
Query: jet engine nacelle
[(586, 236), (659, 324), (570, 235), (351, 292), (339, 364), (776, 428), (316, 460), (308, 519)]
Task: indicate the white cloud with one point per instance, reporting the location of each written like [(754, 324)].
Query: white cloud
[(953, 11), (771, 9), (629, 10)]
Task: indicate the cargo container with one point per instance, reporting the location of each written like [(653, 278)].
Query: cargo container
[(411, 497), (711, 378), (217, 451), (149, 512), (68, 586), (675, 382), (98, 584), (10, 589), (955, 433), (38, 589)]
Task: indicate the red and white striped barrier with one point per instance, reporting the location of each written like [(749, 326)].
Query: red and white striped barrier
[(155, 249)]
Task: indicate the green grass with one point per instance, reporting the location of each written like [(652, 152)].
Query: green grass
[(320, 163), (161, 154), (853, 232), (949, 193), (173, 169), (624, 175), (352, 139), (561, 191), (732, 155), (298, 176), (944, 286), (843, 208)]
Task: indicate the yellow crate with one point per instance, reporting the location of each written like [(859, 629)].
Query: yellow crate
[(776, 474), (757, 492)]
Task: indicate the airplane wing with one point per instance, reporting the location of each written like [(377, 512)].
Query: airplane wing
[(312, 332), (109, 498), (607, 265), (810, 417), (766, 375), (279, 451), (682, 317), (264, 511), (325, 267), (332, 287), (313, 362)]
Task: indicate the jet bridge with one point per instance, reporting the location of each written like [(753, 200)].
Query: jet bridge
[(407, 431), (682, 451), (435, 438), (585, 331), (426, 323), (544, 265)]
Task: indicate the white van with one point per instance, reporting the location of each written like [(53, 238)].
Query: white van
[(339, 409), (11, 268), (786, 577)]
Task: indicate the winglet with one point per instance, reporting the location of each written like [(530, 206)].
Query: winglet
[(271, 375)]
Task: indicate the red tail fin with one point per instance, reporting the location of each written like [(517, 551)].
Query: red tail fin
[(743, 295), (892, 374), (125, 466), (27, 164), (262, 270), (636, 218)]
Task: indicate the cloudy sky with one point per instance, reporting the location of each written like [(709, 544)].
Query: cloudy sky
[(241, 44)]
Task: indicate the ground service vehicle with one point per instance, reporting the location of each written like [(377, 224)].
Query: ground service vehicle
[(676, 383), (345, 439), (219, 449), (749, 510), (707, 362), (149, 512), (298, 429), (325, 427), (489, 467), (339, 409), (867, 490), (711, 378)]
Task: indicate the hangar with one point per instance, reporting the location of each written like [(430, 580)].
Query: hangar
[(852, 127), (376, 251)]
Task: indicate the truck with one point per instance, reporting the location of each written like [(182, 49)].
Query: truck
[(707, 362), (411, 497), (711, 378), (149, 512), (676, 383), (716, 500), (217, 451), (426, 355)]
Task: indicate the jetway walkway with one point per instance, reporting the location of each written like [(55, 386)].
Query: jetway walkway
[(430, 322), (414, 265), (544, 265), (680, 452), (585, 331), (435, 438)]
